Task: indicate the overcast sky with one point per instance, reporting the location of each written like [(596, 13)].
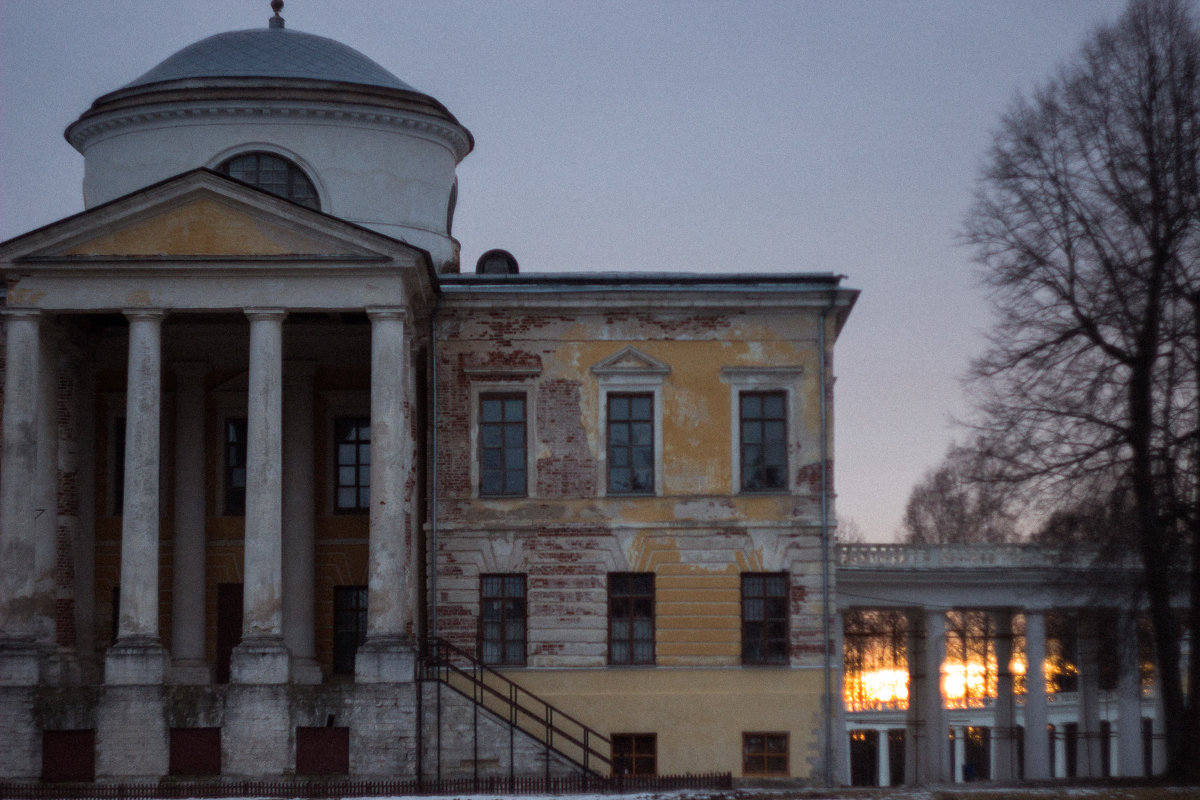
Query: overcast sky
[(758, 136)]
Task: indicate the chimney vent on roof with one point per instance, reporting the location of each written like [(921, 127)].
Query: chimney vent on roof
[(496, 262)]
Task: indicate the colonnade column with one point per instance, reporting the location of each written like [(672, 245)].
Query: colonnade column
[(1037, 739), (138, 657), (1004, 723), (262, 657), (885, 763), (1090, 763), (298, 509), (1129, 701), (46, 494), (20, 663), (188, 664), (927, 760), (388, 654)]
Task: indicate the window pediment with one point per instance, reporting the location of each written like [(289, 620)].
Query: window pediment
[(629, 364)]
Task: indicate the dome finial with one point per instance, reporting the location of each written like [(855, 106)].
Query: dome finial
[(276, 21)]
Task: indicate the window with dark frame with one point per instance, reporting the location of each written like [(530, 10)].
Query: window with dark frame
[(502, 445), (764, 754), (763, 438), (502, 619), (352, 464), (349, 626), (273, 174), (630, 444), (235, 466), (631, 618), (764, 618), (635, 754)]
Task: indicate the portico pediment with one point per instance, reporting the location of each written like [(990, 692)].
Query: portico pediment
[(200, 240)]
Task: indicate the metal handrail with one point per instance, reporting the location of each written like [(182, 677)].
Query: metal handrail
[(521, 709)]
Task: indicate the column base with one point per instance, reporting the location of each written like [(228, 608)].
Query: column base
[(306, 671), (189, 672), (261, 660), (386, 659), (135, 661), (22, 662), (131, 734)]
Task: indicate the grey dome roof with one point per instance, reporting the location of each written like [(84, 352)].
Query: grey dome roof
[(271, 53)]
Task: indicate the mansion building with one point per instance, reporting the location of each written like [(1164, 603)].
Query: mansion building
[(284, 492)]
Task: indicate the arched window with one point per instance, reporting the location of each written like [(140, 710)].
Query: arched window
[(273, 174)]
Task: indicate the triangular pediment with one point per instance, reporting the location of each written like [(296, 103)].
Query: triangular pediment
[(202, 215), (630, 361)]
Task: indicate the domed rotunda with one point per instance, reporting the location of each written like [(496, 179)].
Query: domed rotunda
[(299, 115)]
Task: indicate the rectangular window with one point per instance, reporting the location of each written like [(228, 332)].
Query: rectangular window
[(763, 439), (765, 618), (502, 445), (631, 444), (631, 618), (352, 450), (764, 754), (635, 754), (349, 626), (502, 619), (235, 466)]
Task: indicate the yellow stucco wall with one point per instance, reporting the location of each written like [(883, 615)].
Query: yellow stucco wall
[(698, 715)]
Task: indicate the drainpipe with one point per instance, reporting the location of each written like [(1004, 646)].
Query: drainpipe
[(825, 543), (432, 557)]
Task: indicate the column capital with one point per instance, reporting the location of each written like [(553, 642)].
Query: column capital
[(21, 312), (387, 312), (144, 314), (267, 312)]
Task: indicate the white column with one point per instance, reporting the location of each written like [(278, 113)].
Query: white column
[(1090, 765), (262, 656), (960, 752), (885, 767), (1129, 701), (388, 654), (1037, 742), (19, 663), (298, 510), (936, 753), (188, 664), (1004, 723), (138, 657), (46, 493)]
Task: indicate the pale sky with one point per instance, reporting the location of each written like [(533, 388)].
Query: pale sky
[(759, 136)]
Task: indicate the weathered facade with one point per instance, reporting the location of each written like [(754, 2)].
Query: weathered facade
[(262, 443)]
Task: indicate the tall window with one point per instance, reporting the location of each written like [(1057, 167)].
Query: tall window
[(349, 626), (502, 445), (764, 754), (502, 619), (765, 618), (235, 466), (763, 441), (634, 754), (353, 463), (631, 618), (631, 443), (273, 174)]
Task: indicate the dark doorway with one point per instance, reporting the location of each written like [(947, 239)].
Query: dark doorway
[(1105, 748), (69, 755), (895, 740), (229, 625), (977, 754), (1071, 743), (864, 758), (1147, 747)]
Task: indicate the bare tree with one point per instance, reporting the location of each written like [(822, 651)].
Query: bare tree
[(1086, 221), (957, 503)]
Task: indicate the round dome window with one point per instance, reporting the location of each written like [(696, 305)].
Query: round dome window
[(273, 174)]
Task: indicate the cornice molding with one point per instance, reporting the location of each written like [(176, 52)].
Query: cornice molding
[(103, 124)]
